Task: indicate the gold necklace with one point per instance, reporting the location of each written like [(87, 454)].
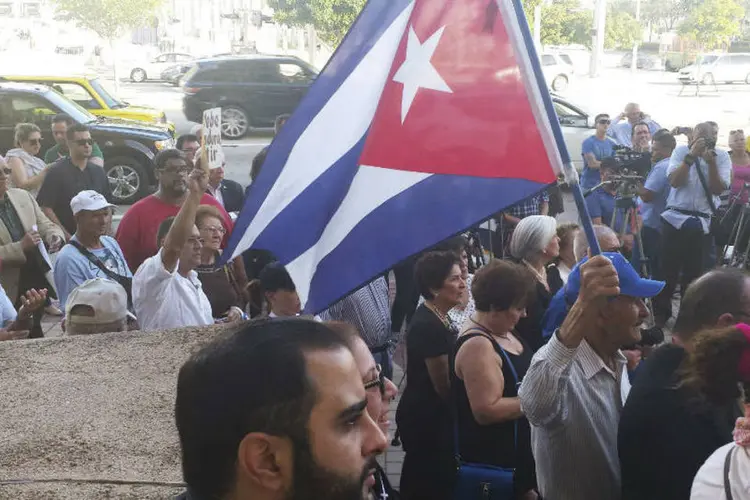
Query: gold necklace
[(542, 277), (442, 317)]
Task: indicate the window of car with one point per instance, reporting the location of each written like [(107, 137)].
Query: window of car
[(162, 58), (568, 115), (77, 93), (566, 59), (26, 108), (740, 59), (264, 72), (182, 58), (548, 60), (294, 73)]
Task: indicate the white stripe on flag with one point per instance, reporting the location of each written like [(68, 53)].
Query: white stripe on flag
[(341, 123), (372, 186), (509, 19)]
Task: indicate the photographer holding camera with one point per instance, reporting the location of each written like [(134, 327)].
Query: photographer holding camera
[(698, 174), (602, 203)]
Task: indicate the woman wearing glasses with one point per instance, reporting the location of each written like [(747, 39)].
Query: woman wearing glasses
[(490, 362), (380, 392), (27, 170), (224, 286)]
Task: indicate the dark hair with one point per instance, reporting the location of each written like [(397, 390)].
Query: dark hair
[(70, 134), (347, 332), (666, 140), (161, 159), (258, 162), (185, 138), (252, 380), (63, 118), (639, 124), (717, 292), (600, 115), (163, 230), (500, 285), (711, 370), (431, 271), (456, 245), (272, 278)]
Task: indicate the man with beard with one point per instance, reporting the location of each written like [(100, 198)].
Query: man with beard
[(276, 410), (136, 233), (166, 290)]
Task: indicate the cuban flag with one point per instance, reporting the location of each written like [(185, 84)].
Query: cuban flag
[(430, 117)]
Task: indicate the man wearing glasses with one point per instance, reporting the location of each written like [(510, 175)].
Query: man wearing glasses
[(60, 124), (69, 176), (594, 150), (136, 233)]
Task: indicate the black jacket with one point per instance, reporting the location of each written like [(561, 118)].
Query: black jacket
[(233, 195), (665, 433)]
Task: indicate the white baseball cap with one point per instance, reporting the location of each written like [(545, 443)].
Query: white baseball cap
[(89, 200), (107, 299)]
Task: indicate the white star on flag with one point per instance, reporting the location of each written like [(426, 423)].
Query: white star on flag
[(417, 72)]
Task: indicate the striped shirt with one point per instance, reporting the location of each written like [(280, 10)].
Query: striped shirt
[(573, 401), (368, 310)]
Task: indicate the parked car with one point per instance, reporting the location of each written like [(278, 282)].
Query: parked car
[(717, 68), (174, 74), (577, 126), (129, 146), (557, 71), (90, 93), (645, 60), (152, 70), (250, 90)]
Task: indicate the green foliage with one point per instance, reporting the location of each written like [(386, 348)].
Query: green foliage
[(108, 18), (564, 22), (622, 30), (331, 18), (664, 14), (712, 23)]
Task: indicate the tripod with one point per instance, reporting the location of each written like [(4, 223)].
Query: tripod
[(627, 203), (739, 234)]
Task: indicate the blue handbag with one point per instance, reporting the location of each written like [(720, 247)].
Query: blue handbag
[(482, 481)]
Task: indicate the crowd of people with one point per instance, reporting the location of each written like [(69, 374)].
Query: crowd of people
[(526, 376)]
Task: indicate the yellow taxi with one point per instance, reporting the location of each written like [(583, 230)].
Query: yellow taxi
[(90, 93)]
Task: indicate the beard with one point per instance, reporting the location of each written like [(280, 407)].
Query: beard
[(314, 482)]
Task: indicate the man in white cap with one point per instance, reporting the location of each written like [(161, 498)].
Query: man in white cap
[(90, 253), (98, 305)]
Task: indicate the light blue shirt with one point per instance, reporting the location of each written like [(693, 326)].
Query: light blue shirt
[(622, 131), (600, 148), (8, 313), (658, 183), (72, 268), (691, 196)]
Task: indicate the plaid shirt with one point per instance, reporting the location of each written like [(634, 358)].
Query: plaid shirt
[(529, 206)]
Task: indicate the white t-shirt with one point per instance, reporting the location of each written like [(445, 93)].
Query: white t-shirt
[(709, 481), (164, 300)]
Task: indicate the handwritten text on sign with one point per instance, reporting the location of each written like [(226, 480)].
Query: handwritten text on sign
[(212, 137)]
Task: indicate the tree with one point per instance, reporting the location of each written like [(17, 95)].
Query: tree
[(664, 14), (713, 22), (109, 19), (564, 22), (622, 30), (331, 18)]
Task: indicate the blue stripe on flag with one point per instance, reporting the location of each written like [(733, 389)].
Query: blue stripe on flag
[(394, 234)]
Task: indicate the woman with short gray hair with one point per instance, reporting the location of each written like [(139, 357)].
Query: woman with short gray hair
[(535, 244)]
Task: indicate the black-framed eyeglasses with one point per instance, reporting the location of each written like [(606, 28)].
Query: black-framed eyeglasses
[(85, 142), (378, 382)]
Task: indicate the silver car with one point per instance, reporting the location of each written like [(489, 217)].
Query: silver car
[(717, 68)]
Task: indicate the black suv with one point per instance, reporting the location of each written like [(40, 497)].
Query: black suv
[(250, 90), (129, 146)]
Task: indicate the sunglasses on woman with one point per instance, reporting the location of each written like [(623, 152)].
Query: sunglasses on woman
[(35, 142), (378, 382)]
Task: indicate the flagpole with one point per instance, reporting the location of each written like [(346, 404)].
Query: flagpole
[(571, 175)]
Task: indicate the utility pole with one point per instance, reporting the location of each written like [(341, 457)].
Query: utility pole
[(597, 34), (538, 26), (634, 62)]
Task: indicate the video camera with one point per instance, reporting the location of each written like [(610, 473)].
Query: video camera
[(631, 162), (649, 338)]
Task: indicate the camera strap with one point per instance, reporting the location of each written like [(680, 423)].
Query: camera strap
[(702, 178)]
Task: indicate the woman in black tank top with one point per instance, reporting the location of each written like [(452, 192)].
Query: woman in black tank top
[(491, 427)]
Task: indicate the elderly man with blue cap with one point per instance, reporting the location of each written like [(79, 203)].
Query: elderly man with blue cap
[(577, 383)]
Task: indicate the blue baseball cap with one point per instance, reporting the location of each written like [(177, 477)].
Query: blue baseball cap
[(631, 283)]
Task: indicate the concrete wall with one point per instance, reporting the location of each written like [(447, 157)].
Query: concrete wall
[(96, 408)]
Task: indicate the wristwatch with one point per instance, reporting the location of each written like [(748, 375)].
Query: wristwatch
[(689, 159)]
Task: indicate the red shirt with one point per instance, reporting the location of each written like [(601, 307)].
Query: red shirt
[(136, 233)]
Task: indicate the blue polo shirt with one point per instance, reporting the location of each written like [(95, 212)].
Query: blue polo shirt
[(602, 204), (657, 182), (600, 148)]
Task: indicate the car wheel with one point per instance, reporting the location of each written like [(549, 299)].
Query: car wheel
[(708, 79), (560, 83), (138, 75), (234, 122), (128, 181)]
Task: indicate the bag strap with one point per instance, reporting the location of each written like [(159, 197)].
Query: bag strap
[(702, 178), (95, 260), (471, 333), (727, 466)]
